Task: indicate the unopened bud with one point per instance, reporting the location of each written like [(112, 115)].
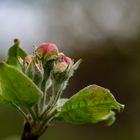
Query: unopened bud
[(46, 49), (61, 67), (63, 63), (28, 59), (67, 59)]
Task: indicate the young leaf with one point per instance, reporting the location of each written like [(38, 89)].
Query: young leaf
[(22, 53), (90, 105), (16, 87), (14, 53), (61, 102)]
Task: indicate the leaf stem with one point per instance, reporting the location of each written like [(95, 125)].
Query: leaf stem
[(56, 93), (50, 117), (32, 113), (21, 111)]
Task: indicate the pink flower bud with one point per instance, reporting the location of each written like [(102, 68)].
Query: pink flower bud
[(45, 49), (67, 59), (61, 67), (63, 63), (28, 59)]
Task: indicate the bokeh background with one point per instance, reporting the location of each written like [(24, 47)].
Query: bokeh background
[(104, 33)]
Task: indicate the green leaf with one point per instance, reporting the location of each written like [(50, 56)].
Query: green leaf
[(60, 103), (16, 87), (22, 53), (14, 53), (90, 105)]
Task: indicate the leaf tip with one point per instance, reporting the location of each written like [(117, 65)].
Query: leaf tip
[(122, 107), (16, 41), (76, 65)]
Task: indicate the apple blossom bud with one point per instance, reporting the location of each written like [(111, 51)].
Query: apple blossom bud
[(61, 67), (45, 49), (63, 63), (68, 60), (28, 59), (33, 68)]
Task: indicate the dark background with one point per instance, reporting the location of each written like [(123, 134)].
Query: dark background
[(104, 33)]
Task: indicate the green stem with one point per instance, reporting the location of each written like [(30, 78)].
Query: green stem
[(32, 113), (21, 111), (37, 110), (43, 99), (50, 115), (56, 93), (45, 122)]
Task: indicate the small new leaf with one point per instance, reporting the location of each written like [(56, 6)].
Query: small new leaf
[(90, 105), (14, 53), (15, 87)]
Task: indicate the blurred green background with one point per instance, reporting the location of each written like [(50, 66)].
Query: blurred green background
[(104, 33)]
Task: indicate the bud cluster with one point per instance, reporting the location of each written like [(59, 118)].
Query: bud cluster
[(50, 70), (48, 67), (33, 84)]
